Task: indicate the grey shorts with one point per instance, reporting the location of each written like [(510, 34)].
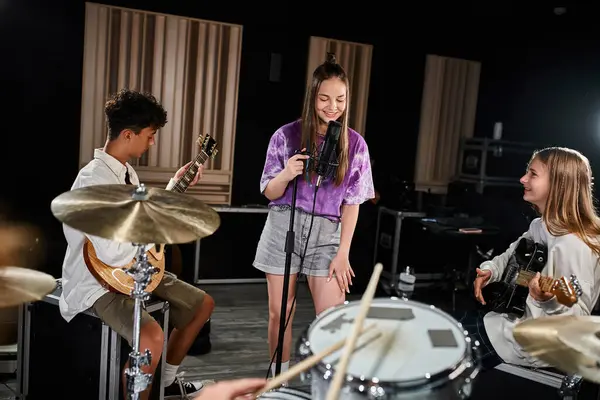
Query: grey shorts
[(323, 243)]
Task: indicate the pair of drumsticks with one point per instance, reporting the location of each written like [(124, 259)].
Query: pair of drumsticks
[(349, 342)]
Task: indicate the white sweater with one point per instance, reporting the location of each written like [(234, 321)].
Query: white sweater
[(566, 255)]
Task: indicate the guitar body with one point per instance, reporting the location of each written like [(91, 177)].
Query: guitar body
[(116, 279), (506, 296)]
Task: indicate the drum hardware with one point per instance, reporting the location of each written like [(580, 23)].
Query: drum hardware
[(284, 393), (138, 215), (21, 285), (567, 342), (406, 283), (141, 272)]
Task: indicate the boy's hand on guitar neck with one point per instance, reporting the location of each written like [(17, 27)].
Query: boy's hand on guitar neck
[(536, 292), (483, 276), (181, 171)]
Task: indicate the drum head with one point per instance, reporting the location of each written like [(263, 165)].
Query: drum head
[(284, 393), (417, 341)]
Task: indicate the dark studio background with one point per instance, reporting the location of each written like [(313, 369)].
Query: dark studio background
[(539, 77)]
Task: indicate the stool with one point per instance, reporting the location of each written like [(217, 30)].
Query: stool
[(84, 357), (568, 385)]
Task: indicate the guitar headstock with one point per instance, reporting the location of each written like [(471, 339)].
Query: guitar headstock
[(208, 145), (567, 291)]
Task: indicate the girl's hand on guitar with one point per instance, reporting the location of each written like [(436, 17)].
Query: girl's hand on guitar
[(181, 171), (536, 292), (483, 276)]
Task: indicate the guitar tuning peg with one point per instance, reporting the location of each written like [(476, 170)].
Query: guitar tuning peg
[(214, 154)]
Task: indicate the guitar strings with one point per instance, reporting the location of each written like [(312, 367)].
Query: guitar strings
[(201, 158), (525, 276)]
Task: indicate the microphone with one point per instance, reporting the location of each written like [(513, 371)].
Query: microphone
[(327, 162)]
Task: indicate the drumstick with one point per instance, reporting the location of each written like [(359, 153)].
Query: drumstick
[(306, 364), (365, 305)]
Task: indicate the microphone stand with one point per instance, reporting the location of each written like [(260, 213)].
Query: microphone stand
[(289, 250)]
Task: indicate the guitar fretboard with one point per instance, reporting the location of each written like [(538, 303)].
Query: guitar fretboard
[(546, 282), (184, 182)]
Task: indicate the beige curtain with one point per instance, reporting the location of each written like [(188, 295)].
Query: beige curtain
[(191, 66), (448, 110), (355, 58)]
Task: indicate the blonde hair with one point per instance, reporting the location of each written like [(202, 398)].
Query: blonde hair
[(329, 69), (570, 205)]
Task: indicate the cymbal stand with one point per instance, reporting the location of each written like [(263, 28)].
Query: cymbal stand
[(141, 272)]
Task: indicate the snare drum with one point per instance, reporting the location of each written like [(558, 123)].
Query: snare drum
[(421, 353), (285, 393)]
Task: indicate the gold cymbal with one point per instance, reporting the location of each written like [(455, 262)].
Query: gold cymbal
[(22, 244), (565, 342), (136, 214), (583, 335), (21, 285)]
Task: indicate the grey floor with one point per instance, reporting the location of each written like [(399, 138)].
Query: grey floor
[(238, 335), (239, 332), (239, 344)]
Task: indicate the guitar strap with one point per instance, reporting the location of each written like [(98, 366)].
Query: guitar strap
[(127, 180)]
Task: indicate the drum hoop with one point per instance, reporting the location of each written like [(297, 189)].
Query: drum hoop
[(469, 364), (287, 390)]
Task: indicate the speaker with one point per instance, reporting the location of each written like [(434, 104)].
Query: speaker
[(82, 358)]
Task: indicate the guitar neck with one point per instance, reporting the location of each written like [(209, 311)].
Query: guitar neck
[(546, 282), (184, 182)]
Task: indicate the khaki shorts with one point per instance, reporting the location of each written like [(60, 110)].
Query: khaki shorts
[(116, 309)]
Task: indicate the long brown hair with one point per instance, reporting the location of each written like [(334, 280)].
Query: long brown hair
[(329, 69), (570, 205)]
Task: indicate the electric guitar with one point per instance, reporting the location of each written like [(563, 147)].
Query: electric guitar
[(510, 293), (116, 279)]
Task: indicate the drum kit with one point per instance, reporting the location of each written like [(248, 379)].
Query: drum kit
[(417, 352)]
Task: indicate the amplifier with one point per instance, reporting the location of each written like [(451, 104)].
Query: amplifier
[(80, 359)]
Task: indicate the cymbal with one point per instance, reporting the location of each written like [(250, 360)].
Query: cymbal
[(22, 244), (136, 214), (566, 342), (583, 335), (21, 285)]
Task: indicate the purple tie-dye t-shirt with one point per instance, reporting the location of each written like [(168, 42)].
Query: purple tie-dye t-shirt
[(356, 188)]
